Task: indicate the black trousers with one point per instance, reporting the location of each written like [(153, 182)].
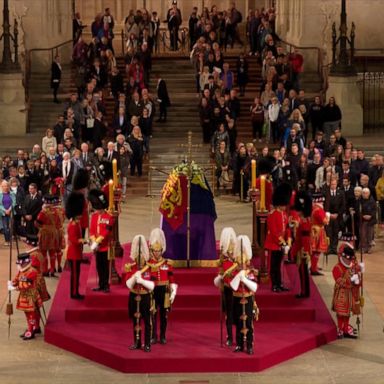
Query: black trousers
[(257, 129), (55, 87), (102, 267), (159, 296), (228, 310), (75, 276), (304, 278), (144, 308), (238, 309), (333, 233), (163, 111), (275, 271)]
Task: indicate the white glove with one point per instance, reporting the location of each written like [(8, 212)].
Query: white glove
[(137, 276), (285, 249), (355, 279), (173, 293), (10, 286), (252, 285), (328, 215), (94, 246), (362, 266), (131, 282), (217, 281), (150, 285), (236, 281)]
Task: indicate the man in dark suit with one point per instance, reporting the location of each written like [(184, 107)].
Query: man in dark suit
[(20, 160), (163, 99), (349, 173), (135, 106), (55, 77), (86, 157), (174, 21), (121, 123), (335, 205), (112, 154), (31, 208), (68, 169), (59, 128)]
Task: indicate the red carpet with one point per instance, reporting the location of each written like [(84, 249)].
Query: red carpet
[(99, 329)]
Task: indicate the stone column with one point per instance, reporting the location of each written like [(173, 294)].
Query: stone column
[(347, 96), (12, 105)]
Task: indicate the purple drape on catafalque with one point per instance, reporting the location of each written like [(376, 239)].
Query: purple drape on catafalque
[(203, 243)]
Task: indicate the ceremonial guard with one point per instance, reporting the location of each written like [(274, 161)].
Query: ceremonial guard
[(293, 222), (138, 281), (227, 270), (37, 260), (244, 287), (29, 300), (165, 288), (319, 241), (278, 240), (73, 210), (48, 234), (345, 280), (60, 218), (100, 232), (301, 248)]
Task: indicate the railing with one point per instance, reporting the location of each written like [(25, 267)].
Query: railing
[(52, 52), (163, 42)]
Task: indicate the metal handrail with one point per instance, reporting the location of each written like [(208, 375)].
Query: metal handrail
[(28, 71)]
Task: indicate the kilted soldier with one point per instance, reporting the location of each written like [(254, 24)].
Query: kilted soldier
[(138, 280), (165, 288), (74, 210), (29, 300), (227, 270), (244, 287)]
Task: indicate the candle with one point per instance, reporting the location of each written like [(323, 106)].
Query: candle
[(114, 170), (262, 193), (253, 164), (111, 196)]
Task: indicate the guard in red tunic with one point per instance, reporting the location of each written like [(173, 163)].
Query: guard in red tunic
[(73, 211), (80, 184), (244, 287), (165, 288), (138, 281), (60, 218), (345, 280), (319, 241), (301, 248), (37, 260), (100, 235), (29, 300), (293, 222), (278, 239), (48, 234), (227, 270)]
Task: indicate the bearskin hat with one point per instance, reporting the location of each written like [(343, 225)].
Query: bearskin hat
[(303, 203), (227, 240), (80, 180), (75, 205), (139, 246), (157, 240), (243, 249), (98, 199), (264, 166), (282, 195)]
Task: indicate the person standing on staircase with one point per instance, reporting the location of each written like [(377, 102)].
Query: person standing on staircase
[(56, 77), (174, 21), (162, 98)]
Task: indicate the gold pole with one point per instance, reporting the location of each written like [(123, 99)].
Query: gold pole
[(189, 162)]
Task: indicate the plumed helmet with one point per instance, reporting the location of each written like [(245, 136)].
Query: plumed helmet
[(75, 205), (80, 180), (227, 240), (282, 195), (318, 197), (98, 199), (243, 249), (139, 246), (303, 203), (157, 240), (264, 166)]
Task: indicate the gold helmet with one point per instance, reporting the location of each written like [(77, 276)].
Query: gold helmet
[(243, 249), (139, 246), (157, 240), (227, 240)]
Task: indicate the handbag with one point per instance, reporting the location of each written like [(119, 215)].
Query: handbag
[(224, 179), (90, 122)]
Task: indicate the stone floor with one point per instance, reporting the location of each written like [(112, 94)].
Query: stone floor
[(344, 361)]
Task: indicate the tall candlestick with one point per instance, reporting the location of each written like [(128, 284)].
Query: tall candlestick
[(111, 196), (114, 172), (253, 164), (262, 193)]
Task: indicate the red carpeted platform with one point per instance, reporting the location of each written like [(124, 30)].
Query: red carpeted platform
[(98, 328)]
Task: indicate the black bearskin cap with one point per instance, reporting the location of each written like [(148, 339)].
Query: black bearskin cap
[(282, 195), (80, 180), (98, 199), (303, 203), (75, 205)]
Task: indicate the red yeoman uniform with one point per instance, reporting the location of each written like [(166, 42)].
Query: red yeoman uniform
[(36, 262), (29, 300), (60, 218)]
